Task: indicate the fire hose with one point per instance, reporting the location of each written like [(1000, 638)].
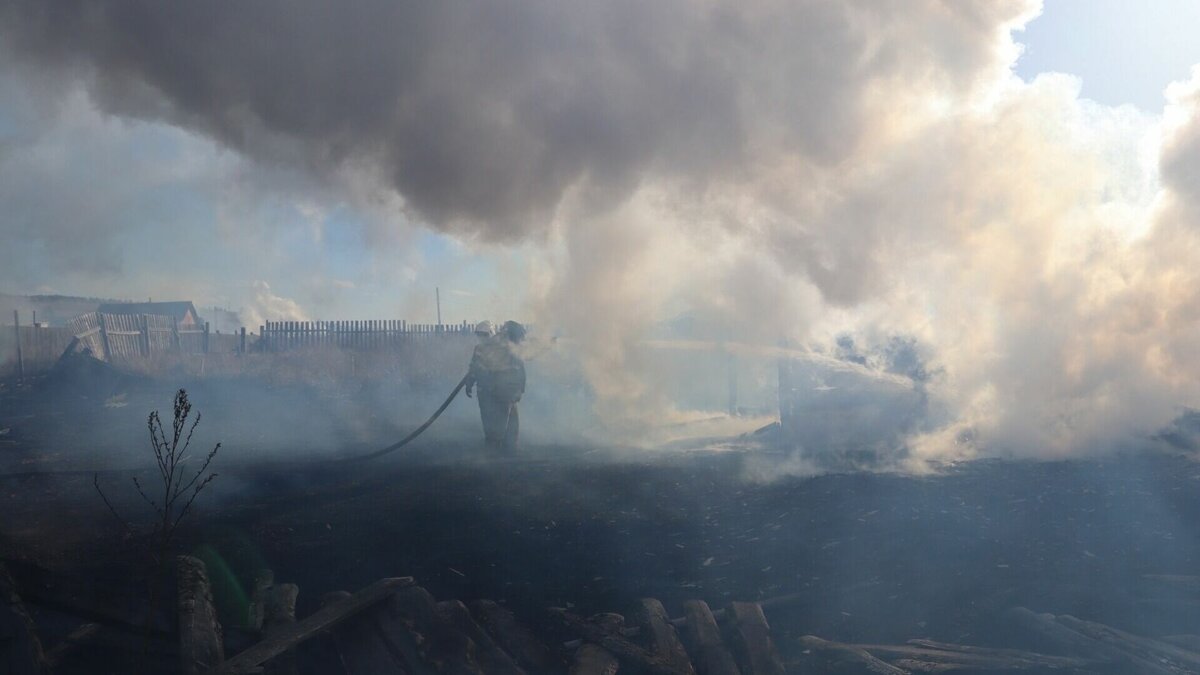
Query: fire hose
[(416, 432), (378, 453)]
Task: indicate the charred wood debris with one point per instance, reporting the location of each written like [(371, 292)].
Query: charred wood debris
[(396, 626)]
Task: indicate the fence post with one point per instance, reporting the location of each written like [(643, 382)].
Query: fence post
[(205, 337), (144, 326), (264, 346), (176, 342), (242, 341), (17, 331), (104, 336)]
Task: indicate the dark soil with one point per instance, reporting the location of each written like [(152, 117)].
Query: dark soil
[(871, 557)]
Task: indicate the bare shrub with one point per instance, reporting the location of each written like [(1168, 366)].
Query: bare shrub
[(178, 488)]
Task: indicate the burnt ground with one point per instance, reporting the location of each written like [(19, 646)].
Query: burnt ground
[(870, 557)]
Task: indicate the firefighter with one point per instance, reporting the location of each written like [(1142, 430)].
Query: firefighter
[(500, 376), (510, 381)]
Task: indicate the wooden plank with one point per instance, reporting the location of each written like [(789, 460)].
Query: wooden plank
[(200, 644), (620, 647), (1063, 638), (997, 652), (709, 653), (450, 651), (611, 622), (360, 646), (529, 652), (86, 329), (1181, 582), (660, 635), (71, 643), (1191, 642), (323, 619), (400, 637), (491, 658), (1142, 647), (981, 658), (590, 659), (750, 636), (835, 653)]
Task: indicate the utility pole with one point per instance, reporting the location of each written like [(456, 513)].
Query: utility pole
[(438, 291)]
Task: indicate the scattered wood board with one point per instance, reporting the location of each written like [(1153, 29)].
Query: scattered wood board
[(323, 619)]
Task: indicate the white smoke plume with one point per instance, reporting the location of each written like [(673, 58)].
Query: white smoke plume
[(266, 305)]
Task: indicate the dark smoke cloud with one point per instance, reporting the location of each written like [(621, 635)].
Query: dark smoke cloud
[(483, 115)]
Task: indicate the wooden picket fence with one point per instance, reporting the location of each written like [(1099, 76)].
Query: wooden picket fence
[(31, 348), (127, 337), (113, 337), (365, 335)]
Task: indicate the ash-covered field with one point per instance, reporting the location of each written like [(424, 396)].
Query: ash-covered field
[(862, 557)]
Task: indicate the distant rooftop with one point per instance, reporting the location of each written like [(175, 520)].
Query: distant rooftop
[(178, 309)]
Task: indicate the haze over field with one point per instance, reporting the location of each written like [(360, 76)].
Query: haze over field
[(798, 170)]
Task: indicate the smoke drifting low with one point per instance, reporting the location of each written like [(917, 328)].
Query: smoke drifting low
[(774, 169)]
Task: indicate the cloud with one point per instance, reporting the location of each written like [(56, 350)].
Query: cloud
[(72, 180)]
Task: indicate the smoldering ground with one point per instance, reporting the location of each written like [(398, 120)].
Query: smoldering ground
[(870, 557), (570, 522)]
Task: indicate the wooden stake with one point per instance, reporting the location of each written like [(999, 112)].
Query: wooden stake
[(661, 636), (751, 638), (200, 645), (17, 333), (709, 653), (279, 613), (592, 660)]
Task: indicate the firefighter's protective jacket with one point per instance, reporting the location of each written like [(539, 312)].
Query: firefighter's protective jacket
[(497, 370)]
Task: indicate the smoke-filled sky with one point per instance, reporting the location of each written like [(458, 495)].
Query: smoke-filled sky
[(795, 169)]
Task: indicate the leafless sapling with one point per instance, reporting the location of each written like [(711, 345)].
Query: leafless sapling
[(178, 489)]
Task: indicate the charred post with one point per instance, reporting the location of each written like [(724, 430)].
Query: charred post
[(200, 644)]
